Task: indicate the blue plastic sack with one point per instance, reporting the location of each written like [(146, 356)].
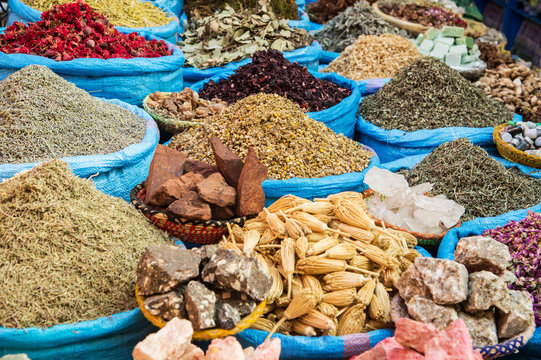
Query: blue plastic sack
[(322, 347), (307, 56), (327, 57), (395, 144), (175, 6), (128, 80), (19, 11), (340, 118), (368, 86), (114, 174), (476, 227)]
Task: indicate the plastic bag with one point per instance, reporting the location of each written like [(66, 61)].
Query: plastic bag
[(175, 6), (128, 80), (114, 174), (19, 11)]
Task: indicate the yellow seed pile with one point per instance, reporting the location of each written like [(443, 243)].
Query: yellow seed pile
[(333, 269), (374, 56)]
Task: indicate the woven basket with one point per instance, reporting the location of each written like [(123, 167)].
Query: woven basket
[(168, 124), (209, 334), (423, 239), (191, 231), (512, 154)]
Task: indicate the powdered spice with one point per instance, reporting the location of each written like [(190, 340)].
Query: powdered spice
[(72, 31), (271, 73)]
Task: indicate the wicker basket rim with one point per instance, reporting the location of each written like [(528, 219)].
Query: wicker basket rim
[(169, 121), (497, 137)]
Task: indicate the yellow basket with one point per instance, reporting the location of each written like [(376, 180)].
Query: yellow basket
[(209, 334), (512, 154)]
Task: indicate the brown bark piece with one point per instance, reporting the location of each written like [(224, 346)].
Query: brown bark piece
[(250, 195), (191, 207), (166, 164), (229, 163)]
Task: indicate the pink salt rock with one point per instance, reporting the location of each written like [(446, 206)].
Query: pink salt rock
[(193, 353), (380, 351), (269, 350), (453, 343), (404, 354), (414, 334), (170, 342), (224, 349)]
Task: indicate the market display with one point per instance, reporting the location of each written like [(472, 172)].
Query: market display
[(284, 9), (344, 29), (427, 94), (51, 221), (72, 31), (423, 14), (373, 57), (450, 45), (44, 116), (127, 13), (524, 136), (492, 55), (271, 73), (472, 288), (466, 174), (230, 36), (322, 11), (287, 141)]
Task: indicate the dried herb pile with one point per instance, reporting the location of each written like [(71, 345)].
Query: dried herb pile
[(68, 252), (323, 10), (44, 116), (466, 174), (287, 141), (359, 19), (128, 13), (374, 56), (271, 73), (424, 14), (427, 94), (71, 31), (231, 36), (284, 9), (492, 56)]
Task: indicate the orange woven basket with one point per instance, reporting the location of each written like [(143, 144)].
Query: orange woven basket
[(192, 231), (512, 154), (424, 239)]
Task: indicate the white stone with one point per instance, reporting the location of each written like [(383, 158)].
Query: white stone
[(385, 182)]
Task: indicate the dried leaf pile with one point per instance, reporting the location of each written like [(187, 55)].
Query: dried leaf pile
[(68, 252), (332, 267)]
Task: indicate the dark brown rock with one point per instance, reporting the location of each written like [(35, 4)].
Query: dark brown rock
[(240, 301), (166, 306), (519, 317), (206, 251), (200, 305), (481, 326), (222, 213), (250, 195), (227, 316), (447, 280), (411, 284), (171, 190), (215, 190), (229, 163), (486, 290), (200, 167), (164, 267), (479, 253), (399, 309), (166, 164), (429, 312), (191, 207)]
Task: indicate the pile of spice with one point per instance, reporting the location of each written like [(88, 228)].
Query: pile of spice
[(473, 288), (231, 36), (284, 9), (287, 141), (492, 55), (332, 268), (196, 190), (271, 73), (127, 13), (523, 239), (374, 56), (210, 286), (466, 174), (427, 15), (344, 29), (68, 252), (523, 136), (515, 86), (322, 11), (44, 116), (427, 94), (71, 31)]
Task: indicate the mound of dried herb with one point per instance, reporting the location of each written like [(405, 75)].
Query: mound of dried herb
[(424, 14), (465, 173), (44, 116), (287, 141), (271, 73), (427, 94), (323, 10), (68, 252), (359, 19), (231, 36), (284, 9)]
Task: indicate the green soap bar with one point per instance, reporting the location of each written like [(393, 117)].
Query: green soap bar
[(445, 40), (453, 59), (458, 49), (424, 52), (460, 41), (426, 45), (469, 42), (466, 59), (452, 31), (419, 39), (432, 33)]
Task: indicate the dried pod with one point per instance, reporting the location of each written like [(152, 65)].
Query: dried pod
[(312, 283), (343, 297), (322, 246), (364, 295), (327, 309), (343, 280), (352, 320), (302, 329), (301, 247), (341, 251), (317, 320)]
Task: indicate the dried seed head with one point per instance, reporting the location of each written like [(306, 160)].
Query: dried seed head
[(277, 287), (256, 225), (343, 297), (362, 262), (352, 320), (343, 280), (311, 222), (322, 246), (326, 219), (288, 260), (317, 320), (353, 196), (316, 208), (390, 277), (262, 324), (353, 214), (275, 224), (301, 304), (282, 301), (364, 295), (318, 265), (230, 246), (327, 309), (303, 329), (266, 237), (355, 232), (301, 247), (312, 283), (315, 237), (285, 203), (251, 239), (341, 251), (380, 305), (237, 233), (412, 255), (404, 264), (293, 228)]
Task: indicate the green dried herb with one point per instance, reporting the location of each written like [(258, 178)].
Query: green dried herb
[(231, 36), (466, 174), (284, 9), (44, 116), (68, 252), (427, 94), (284, 138)]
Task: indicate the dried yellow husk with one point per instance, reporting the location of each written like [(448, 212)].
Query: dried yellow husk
[(266, 237), (303, 329), (341, 251), (343, 280), (288, 260), (312, 222), (326, 219), (312, 283), (412, 255), (327, 309), (251, 239), (285, 203), (353, 196), (322, 246), (355, 232), (343, 297), (362, 262), (316, 236), (317, 320), (293, 228), (380, 306), (352, 320), (404, 264), (275, 224), (316, 208), (301, 247), (237, 233), (390, 277), (262, 324), (375, 254), (364, 295), (254, 224), (277, 287), (317, 265)]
